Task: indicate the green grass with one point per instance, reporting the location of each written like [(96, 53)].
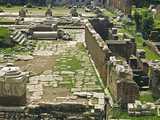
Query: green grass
[(69, 80), (82, 11), (11, 9), (124, 115), (150, 55), (16, 49), (70, 61), (108, 13), (6, 21), (157, 21), (81, 47), (4, 33), (146, 96), (131, 30)]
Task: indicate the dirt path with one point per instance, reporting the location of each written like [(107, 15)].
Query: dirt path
[(37, 65)]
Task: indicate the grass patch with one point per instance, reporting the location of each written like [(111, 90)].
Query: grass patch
[(69, 80), (5, 40), (146, 96), (4, 33), (150, 55), (124, 115), (130, 29), (5, 21), (16, 49), (81, 47), (69, 64), (108, 13)]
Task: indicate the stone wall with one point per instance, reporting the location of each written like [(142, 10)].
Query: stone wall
[(124, 48), (121, 44), (116, 75), (101, 26), (98, 50), (120, 81), (154, 36), (155, 79)]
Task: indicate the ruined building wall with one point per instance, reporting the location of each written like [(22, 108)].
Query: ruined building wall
[(98, 50), (123, 5), (120, 83), (124, 47), (155, 79), (101, 26)]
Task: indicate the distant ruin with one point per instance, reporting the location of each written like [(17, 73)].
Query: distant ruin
[(124, 5)]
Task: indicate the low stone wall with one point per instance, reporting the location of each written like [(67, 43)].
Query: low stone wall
[(120, 82), (99, 51)]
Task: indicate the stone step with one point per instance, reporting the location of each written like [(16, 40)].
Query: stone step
[(20, 38), (14, 33), (2, 116), (145, 87), (16, 36), (22, 41)]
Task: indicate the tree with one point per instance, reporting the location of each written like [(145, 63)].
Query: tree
[(141, 3)]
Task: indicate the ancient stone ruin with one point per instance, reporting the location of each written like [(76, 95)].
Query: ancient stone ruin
[(13, 85), (155, 79), (74, 12), (123, 5), (79, 66), (117, 75), (48, 12), (139, 109), (22, 12)]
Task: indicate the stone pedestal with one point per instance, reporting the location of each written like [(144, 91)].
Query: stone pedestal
[(22, 13), (48, 13)]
